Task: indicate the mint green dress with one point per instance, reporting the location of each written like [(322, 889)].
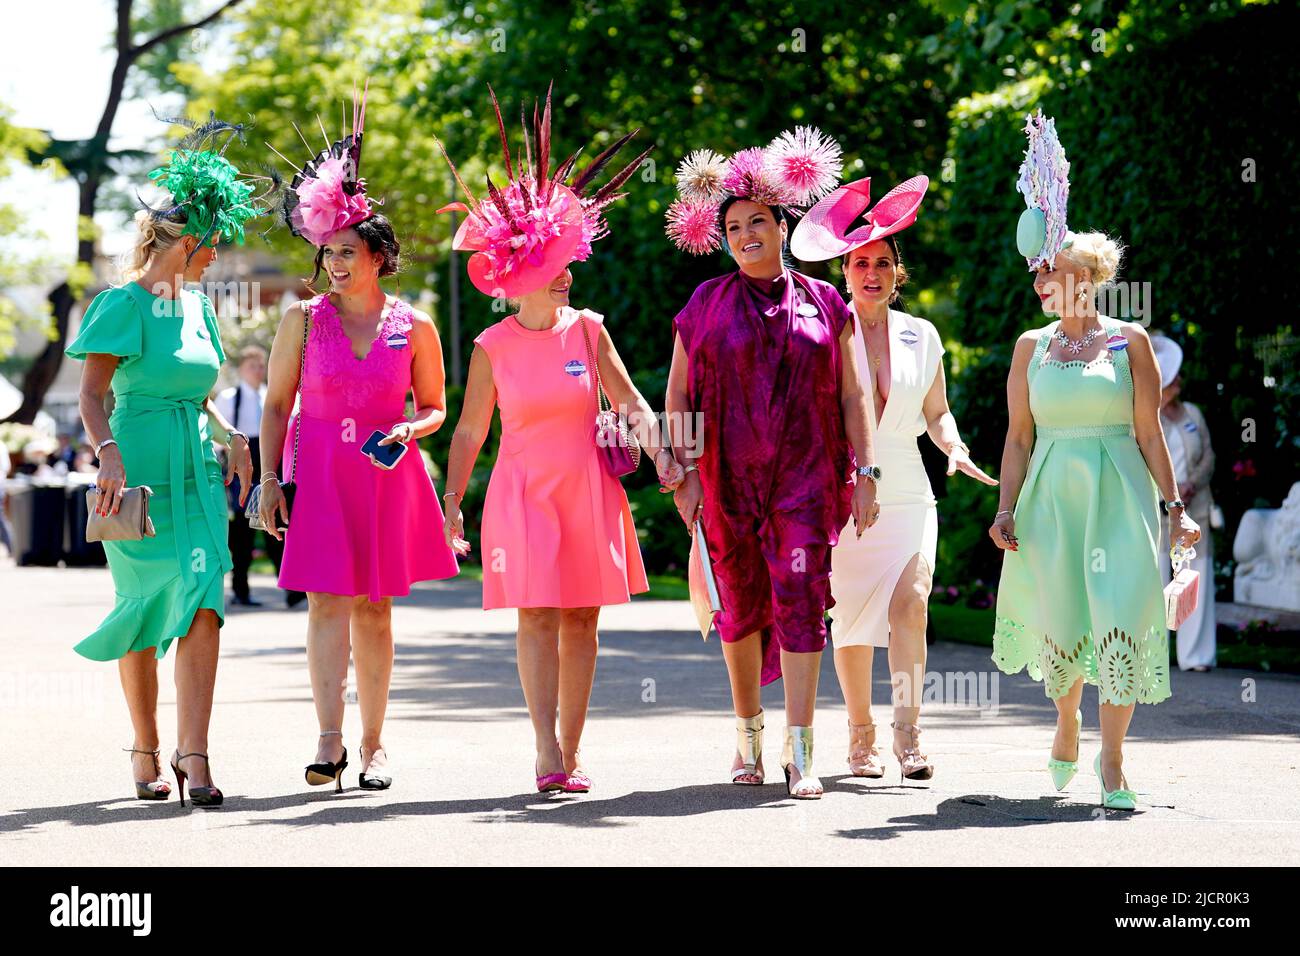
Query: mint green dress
[(169, 358), (1083, 596)]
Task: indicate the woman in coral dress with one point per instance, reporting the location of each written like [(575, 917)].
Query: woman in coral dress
[(558, 540)]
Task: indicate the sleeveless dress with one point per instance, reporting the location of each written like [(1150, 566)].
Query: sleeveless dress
[(357, 529), (865, 570), (557, 529), (1083, 597), (169, 356)]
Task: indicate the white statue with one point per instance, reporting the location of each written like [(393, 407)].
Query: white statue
[(1267, 550)]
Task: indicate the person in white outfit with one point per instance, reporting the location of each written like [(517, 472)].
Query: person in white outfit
[(881, 581), (1188, 439)]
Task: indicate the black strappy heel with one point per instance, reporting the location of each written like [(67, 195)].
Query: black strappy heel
[(156, 789), (199, 796)]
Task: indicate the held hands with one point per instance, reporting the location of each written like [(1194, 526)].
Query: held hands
[(1003, 532), (866, 510), (273, 509), (669, 469), (453, 529), (111, 481), (959, 460), (239, 462)]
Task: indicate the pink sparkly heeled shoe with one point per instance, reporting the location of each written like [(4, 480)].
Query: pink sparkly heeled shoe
[(864, 758)]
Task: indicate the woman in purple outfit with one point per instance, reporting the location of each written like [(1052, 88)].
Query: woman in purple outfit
[(763, 356)]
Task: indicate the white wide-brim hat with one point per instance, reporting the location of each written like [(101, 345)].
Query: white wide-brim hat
[(1169, 356)]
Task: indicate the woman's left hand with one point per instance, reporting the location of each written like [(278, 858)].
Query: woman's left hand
[(959, 460), (239, 463), (1183, 531), (866, 511), (401, 432)]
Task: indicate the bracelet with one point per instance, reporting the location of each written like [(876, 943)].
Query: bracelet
[(1001, 513), (453, 494), (690, 468), (269, 474), (266, 478), (959, 444), (104, 444), (235, 431)]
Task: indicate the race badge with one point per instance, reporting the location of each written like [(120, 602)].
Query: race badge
[(1117, 343), (908, 338), (575, 367), (396, 341)]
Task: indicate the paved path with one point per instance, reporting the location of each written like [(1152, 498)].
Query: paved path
[(1216, 773)]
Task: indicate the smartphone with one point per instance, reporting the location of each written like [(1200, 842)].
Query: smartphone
[(385, 456)]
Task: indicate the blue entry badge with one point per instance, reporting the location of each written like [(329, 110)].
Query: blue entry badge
[(396, 341), (575, 367), (908, 337), (1117, 343)]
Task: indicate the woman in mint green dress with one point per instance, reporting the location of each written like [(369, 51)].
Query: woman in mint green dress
[(159, 347), (1080, 600)]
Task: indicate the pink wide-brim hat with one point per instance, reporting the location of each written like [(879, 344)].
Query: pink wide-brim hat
[(845, 220), (498, 270)]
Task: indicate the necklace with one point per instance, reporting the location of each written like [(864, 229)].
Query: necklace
[(1073, 347)]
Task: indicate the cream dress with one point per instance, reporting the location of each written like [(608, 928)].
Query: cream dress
[(865, 570)]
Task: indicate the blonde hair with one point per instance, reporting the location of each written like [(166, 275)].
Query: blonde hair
[(153, 235), (1098, 253)]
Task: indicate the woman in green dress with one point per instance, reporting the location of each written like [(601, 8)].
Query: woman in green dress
[(1080, 600), (159, 347)]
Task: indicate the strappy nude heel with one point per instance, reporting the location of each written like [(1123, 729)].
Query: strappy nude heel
[(798, 754), (914, 764), (864, 758), (156, 789), (749, 748)]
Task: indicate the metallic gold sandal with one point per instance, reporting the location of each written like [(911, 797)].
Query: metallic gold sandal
[(798, 753), (749, 748)]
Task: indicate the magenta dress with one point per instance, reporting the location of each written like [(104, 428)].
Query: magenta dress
[(777, 470), (357, 529)]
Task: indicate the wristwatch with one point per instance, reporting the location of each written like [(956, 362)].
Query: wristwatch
[(1175, 503), (870, 471)]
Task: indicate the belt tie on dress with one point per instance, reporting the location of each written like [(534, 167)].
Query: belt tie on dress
[(183, 439), (1085, 431)]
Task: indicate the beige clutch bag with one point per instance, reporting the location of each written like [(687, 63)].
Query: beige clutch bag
[(131, 523), (703, 585)]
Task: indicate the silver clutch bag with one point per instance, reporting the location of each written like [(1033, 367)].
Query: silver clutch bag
[(131, 523)]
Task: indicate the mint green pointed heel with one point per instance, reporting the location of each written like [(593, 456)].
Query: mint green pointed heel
[(1121, 799), (1063, 771)]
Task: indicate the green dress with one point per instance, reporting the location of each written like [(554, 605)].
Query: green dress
[(169, 358), (1083, 596)]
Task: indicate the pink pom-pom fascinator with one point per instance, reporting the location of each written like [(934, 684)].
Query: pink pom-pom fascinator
[(1044, 181), (327, 193), (795, 169), (524, 235), (846, 220)]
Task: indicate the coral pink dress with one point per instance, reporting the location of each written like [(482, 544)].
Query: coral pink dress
[(356, 528), (557, 529)]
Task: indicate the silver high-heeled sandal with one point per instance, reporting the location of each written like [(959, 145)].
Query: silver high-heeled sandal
[(914, 764), (749, 748), (798, 753)]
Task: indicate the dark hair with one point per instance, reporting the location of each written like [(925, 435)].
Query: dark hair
[(377, 233), (900, 270), (779, 215)]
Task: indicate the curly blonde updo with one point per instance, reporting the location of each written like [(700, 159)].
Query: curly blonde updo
[(152, 236), (1097, 252)]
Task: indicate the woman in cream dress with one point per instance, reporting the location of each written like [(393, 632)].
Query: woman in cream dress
[(881, 581)]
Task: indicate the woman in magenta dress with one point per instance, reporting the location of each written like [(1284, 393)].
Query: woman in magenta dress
[(358, 533), (558, 540), (764, 357)]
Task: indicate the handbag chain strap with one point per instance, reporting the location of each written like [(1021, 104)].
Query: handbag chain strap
[(602, 400), (302, 373)]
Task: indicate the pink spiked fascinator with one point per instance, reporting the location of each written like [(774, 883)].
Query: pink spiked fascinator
[(327, 193), (845, 219), (793, 170), (525, 234)]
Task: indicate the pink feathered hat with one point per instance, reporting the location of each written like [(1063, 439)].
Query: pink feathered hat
[(327, 193), (845, 219), (524, 235)]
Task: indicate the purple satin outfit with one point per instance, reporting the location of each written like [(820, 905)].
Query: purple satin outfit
[(777, 469)]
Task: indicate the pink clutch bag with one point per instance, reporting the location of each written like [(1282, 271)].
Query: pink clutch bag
[(619, 449), (703, 585), (1181, 593)]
